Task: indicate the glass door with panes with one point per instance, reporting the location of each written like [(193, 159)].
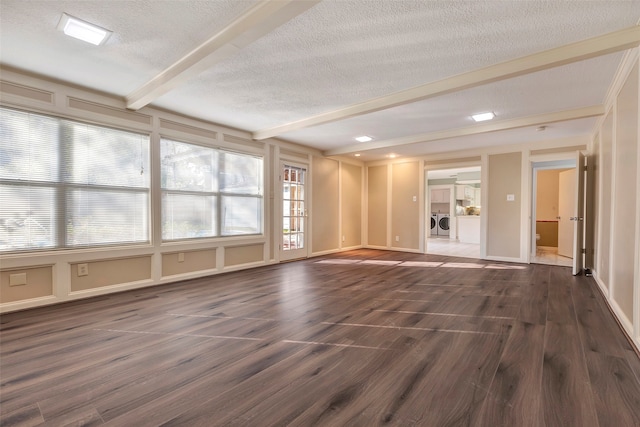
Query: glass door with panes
[(294, 212)]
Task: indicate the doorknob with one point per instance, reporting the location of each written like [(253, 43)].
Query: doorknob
[(573, 218)]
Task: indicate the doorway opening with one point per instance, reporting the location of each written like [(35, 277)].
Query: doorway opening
[(453, 207), (553, 212)]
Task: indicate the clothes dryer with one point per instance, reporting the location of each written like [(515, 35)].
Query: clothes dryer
[(443, 224), (434, 224)]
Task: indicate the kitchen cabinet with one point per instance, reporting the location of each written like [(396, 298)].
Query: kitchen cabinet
[(464, 192), (478, 200), (469, 229), (440, 195)]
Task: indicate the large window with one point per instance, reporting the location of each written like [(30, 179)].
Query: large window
[(208, 192), (67, 184)]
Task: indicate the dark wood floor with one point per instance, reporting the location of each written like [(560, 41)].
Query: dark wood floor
[(357, 339)]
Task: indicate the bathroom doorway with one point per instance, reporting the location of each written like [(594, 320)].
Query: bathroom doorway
[(554, 193)]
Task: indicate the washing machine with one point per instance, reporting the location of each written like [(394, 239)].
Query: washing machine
[(434, 224), (443, 224)]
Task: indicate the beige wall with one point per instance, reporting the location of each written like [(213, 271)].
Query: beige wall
[(548, 232), (591, 205), (604, 174), (547, 195), (111, 272), (405, 211), (192, 261), (625, 194), (503, 222), (325, 208), (351, 205), (441, 208), (39, 284), (377, 206), (238, 255)]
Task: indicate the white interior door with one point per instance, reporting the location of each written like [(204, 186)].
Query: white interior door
[(578, 218), (293, 244), (566, 210)]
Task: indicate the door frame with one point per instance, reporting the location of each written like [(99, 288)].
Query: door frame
[(426, 217), (564, 160), (301, 253)]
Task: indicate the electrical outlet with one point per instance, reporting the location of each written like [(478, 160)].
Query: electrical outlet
[(180, 256), (18, 279), (344, 238), (511, 197), (83, 270), (397, 238)]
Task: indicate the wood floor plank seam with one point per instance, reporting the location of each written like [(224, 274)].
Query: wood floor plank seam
[(180, 335), (335, 344), (409, 328), (443, 314)]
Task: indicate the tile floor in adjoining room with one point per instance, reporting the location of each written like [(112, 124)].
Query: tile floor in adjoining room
[(445, 246), (549, 255)]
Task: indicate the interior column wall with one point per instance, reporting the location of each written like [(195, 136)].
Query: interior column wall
[(351, 190), (405, 212), (393, 206), (336, 213), (377, 205), (325, 212), (504, 222)]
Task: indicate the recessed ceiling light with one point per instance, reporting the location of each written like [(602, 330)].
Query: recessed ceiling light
[(392, 156), (364, 138), (357, 154), (83, 30), (481, 117)]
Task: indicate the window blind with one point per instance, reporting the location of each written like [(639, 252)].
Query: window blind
[(208, 192), (67, 184)]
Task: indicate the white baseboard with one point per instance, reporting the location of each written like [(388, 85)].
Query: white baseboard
[(627, 324), (505, 259), (244, 266), (601, 284), (394, 249), (29, 303), (381, 248), (622, 318), (334, 251)]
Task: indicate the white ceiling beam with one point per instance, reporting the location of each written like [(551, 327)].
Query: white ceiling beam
[(590, 48), (255, 22), (537, 120)]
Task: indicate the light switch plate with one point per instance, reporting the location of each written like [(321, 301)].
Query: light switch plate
[(511, 197)]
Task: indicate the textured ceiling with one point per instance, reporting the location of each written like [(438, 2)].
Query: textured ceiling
[(148, 36), (337, 53)]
